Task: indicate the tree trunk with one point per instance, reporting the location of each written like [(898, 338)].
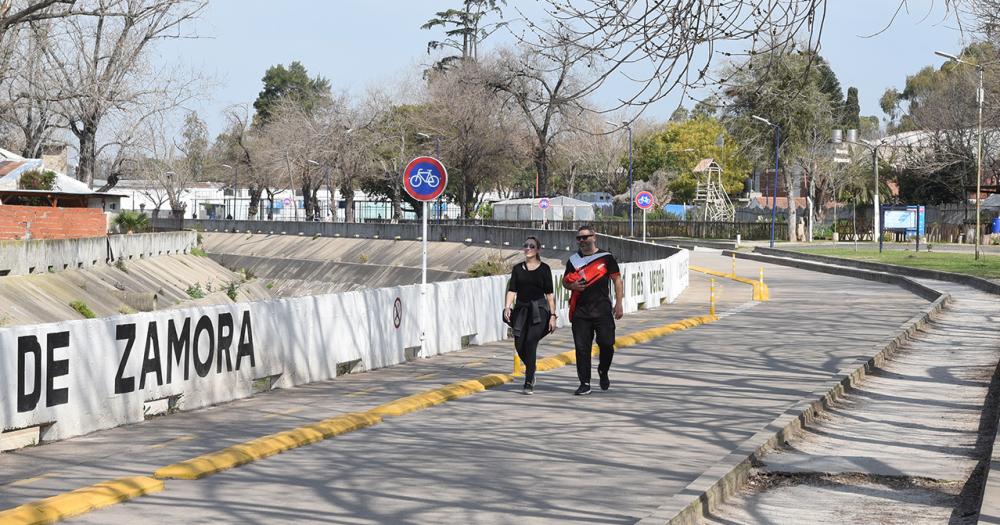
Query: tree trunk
[(792, 193), (307, 202), (541, 169), (347, 191), (88, 154), (254, 207), (397, 200)]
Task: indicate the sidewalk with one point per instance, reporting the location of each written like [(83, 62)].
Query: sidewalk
[(677, 404), (901, 447)]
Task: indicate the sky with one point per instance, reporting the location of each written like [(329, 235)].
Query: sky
[(360, 43)]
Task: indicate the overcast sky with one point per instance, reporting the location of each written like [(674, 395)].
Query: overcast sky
[(359, 43)]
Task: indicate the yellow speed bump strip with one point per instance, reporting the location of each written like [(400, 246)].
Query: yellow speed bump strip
[(80, 501), (263, 447), (760, 290)]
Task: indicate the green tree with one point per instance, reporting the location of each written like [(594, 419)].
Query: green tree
[(464, 29), (795, 92), (678, 147), (293, 83), (851, 116), (194, 145)]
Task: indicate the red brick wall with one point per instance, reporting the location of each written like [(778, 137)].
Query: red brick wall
[(51, 223)]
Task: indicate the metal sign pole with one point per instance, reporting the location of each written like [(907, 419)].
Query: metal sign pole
[(423, 286), (644, 225)]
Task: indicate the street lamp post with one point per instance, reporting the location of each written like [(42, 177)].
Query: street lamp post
[(777, 164), (233, 214), (980, 95), (852, 138)]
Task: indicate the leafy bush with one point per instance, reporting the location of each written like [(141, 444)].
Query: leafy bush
[(492, 265), (120, 264), (132, 221), (37, 180), (231, 290), (82, 308), (198, 252), (195, 292)]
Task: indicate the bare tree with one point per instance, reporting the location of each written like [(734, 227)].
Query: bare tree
[(542, 85), (480, 137), (589, 158), (101, 67), (242, 147), (166, 169), (670, 45)]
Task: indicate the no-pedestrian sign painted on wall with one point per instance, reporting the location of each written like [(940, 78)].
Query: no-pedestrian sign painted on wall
[(425, 178)]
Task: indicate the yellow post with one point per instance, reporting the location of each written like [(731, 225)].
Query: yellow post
[(711, 300), (518, 366), (762, 276), (734, 265)]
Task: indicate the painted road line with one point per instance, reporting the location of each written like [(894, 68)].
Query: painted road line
[(760, 290), (111, 492), (80, 501), (167, 443), (286, 412), (28, 481)]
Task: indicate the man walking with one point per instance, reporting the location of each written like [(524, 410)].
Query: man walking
[(589, 274)]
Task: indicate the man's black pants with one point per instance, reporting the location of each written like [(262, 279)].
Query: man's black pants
[(584, 331)]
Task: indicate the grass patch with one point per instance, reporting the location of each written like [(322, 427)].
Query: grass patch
[(195, 292), (987, 267), (197, 251), (492, 265), (82, 308)]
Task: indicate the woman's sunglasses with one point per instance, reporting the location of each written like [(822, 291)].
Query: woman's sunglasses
[(529, 246)]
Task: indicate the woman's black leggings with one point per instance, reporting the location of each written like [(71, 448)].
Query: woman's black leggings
[(527, 345)]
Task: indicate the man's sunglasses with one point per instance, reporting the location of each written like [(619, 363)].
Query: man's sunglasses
[(529, 245), (584, 237)]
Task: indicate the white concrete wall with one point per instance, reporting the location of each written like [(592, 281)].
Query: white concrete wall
[(76, 377), (36, 256)]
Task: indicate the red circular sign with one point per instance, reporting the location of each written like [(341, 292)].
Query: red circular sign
[(644, 200), (425, 178)]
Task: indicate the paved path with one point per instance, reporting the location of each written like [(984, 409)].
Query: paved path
[(900, 448), (677, 404)]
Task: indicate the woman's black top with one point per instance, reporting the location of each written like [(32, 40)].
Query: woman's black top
[(530, 285)]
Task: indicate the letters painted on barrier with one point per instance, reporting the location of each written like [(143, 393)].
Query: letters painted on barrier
[(214, 341)]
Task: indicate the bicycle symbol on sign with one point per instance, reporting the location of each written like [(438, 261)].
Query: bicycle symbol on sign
[(644, 200), (424, 176)]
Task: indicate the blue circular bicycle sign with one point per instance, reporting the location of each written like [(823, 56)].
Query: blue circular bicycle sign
[(425, 178), (544, 203), (644, 200)]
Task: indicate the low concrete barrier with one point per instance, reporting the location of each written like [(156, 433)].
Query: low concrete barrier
[(41, 256), (76, 377), (626, 250)]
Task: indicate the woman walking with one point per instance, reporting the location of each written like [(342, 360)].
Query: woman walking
[(530, 307)]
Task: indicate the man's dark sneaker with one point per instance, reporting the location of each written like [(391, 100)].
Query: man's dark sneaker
[(529, 389), (583, 390), (605, 382)]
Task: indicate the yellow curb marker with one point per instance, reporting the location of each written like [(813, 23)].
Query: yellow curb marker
[(108, 493), (266, 446), (760, 290), (80, 501)]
